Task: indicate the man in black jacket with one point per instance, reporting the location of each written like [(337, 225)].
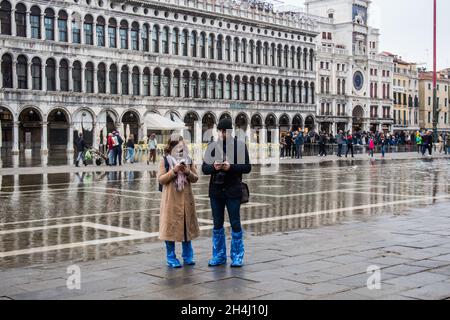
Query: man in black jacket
[(226, 160), (81, 145)]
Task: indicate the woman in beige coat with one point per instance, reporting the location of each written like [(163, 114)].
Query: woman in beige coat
[(178, 218)]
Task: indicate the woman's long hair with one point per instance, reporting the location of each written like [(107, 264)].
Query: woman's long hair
[(169, 146)]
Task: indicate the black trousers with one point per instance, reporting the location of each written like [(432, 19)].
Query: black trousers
[(349, 147)]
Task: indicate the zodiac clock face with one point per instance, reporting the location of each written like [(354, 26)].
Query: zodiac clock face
[(358, 80)]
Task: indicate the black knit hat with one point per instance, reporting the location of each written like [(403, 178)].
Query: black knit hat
[(225, 124)]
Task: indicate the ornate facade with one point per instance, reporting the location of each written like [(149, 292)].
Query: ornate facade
[(97, 65)]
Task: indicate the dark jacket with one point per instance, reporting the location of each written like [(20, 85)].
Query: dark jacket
[(231, 186), (80, 144)]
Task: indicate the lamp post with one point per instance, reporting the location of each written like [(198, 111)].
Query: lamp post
[(435, 106)]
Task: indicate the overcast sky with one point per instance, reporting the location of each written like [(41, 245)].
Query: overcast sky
[(406, 28)]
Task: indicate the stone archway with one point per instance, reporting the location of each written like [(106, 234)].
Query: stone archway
[(6, 128), (358, 118), (58, 129), (130, 120), (189, 121), (256, 124), (310, 123), (30, 129)]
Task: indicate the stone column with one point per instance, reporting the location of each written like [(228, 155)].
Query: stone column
[(15, 80), (94, 33), (129, 38), (13, 22), (70, 80), (170, 43), (82, 40), (130, 82), (94, 79), (69, 29), (82, 79), (96, 135), (57, 79), (44, 148), (107, 87), (70, 139), (28, 24), (15, 148), (43, 76), (29, 78), (262, 143)]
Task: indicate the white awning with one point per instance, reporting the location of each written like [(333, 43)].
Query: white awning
[(154, 121)]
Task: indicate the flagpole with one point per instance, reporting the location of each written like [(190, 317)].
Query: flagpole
[(435, 106)]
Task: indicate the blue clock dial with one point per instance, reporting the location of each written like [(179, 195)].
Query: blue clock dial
[(358, 80)]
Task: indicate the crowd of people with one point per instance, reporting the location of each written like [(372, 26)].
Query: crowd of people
[(293, 142)]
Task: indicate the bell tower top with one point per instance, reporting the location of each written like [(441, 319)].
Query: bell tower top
[(341, 11)]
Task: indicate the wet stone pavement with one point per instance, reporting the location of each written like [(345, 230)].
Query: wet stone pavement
[(311, 232)]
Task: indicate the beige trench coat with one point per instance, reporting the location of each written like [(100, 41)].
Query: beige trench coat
[(177, 207)]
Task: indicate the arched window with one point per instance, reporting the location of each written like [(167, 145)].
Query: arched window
[(292, 57), (266, 90), (135, 36), (273, 88), (300, 92), (165, 40), (322, 85), (280, 91), (157, 82), (236, 87), (62, 26), (186, 84), (35, 22), (244, 51), (135, 79), (286, 56), (175, 41), (228, 92), (311, 60), (203, 88), (112, 30), (76, 28), (305, 59), (251, 53), (279, 53), (211, 42), (176, 84), (299, 58), (89, 77), (343, 86), (339, 86), (219, 47), (244, 88), (21, 20), (272, 54), (313, 93), (101, 78), (184, 43), (259, 90), (124, 80), (166, 83), (258, 52), (88, 30), (36, 73), (228, 49), (7, 72), (306, 92), (49, 22), (64, 75), (194, 85), (22, 74), (202, 45), (293, 92), (50, 75), (236, 50), (113, 79), (5, 17), (220, 84), (194, 44), (146, 82), (286, 91), (266, 54), (144, 37), (212, 86), (100, 31), (251, 89), (123, 33), (328, 85), (155, 39), (76, 76)]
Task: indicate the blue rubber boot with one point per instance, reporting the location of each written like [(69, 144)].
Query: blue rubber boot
[(219, 248), (188, 253), (237, 249), (172, 260)]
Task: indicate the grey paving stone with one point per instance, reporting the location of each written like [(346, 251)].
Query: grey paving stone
[(435, 291), (282, 295), (403, 269), (417, 280)]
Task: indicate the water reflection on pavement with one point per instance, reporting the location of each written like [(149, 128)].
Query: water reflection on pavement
[(84, 216)]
